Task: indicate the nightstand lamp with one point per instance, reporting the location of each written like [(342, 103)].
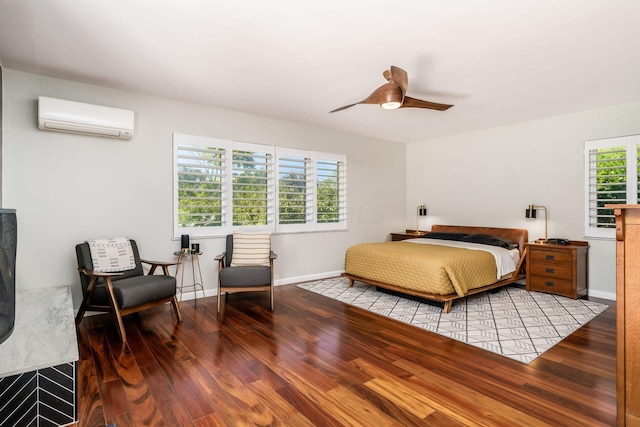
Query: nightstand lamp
[(531, 213), (421, 210)]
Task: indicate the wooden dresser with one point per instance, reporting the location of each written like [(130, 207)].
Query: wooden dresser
[(628, 313), (559, 269)]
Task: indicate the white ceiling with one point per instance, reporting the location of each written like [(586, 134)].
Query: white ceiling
[(498, 61)]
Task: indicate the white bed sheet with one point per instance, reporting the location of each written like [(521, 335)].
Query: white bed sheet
[(506, 259)]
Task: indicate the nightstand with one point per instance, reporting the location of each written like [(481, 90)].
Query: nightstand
[(408, 234), (558, 269)]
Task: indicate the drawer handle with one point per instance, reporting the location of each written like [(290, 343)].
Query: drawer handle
[(550, 270), (550, 284), (550, 257)]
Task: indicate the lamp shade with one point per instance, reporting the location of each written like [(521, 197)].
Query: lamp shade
[(530, 212)]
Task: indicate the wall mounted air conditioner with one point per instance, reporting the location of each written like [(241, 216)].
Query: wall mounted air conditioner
[(76, 117)]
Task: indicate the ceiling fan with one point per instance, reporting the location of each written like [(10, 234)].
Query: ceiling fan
[(392, 94)]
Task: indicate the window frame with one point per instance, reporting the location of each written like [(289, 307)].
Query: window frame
[(312, 223), (228, 146), (631, 143)]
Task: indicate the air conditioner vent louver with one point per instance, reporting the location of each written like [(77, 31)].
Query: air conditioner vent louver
[(60, 115)]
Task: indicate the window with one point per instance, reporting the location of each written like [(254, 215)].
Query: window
[(252, 194), (199, 184), (611, 177), (294, 195), (330, 191), (222, 185)]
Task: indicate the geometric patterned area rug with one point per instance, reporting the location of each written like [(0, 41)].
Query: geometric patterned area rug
[(512, 322)]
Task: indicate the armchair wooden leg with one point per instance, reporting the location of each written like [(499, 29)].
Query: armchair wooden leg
[(176, 308), (86, 300), (220, 267), (271, 296), (116, 311), (272, 283)]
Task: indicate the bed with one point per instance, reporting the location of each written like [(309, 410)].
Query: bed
[(448, 263)]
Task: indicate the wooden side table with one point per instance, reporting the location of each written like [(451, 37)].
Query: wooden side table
[(194, 257), (558, 269)]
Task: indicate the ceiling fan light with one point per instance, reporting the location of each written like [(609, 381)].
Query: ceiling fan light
[(391, 105)]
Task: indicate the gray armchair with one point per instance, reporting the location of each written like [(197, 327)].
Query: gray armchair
[(124, 292), (245, 278)]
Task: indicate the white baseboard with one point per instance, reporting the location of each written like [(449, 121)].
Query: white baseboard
[(308, 278), (601, 294), (286, 281)]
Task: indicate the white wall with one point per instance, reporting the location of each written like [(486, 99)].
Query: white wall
[(69, 188), (489, 177)]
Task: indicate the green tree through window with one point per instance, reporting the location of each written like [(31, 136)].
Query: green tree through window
[(292, 189), (251, 194), (200, 180), (328, 191)]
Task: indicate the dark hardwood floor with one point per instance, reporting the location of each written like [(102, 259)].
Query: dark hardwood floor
[(316, 361)]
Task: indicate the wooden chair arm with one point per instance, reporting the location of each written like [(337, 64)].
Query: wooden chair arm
[(220, 257), (92, 273), (273, 255)]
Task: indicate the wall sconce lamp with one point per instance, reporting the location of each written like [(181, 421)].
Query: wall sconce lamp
[(421, 210), (530, 212)]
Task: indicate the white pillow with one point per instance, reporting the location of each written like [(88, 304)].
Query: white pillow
[(111, 255), (251, 249)]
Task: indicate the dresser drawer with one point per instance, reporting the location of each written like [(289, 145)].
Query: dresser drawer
[(551, 257), (551, 270), (550, 284)]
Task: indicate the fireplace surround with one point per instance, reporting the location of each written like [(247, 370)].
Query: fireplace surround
[(8, 236)]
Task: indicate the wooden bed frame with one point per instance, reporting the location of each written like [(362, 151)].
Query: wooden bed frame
[(520, 235)]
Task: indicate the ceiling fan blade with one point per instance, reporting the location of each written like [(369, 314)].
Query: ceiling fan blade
[(389, 92), (418, 103), (399, 77), (343, 108)]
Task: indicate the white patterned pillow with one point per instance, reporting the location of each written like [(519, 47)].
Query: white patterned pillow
[(111, 255), (251, 249)]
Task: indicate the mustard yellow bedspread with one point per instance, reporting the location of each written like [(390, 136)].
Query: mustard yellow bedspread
[(435, 269)]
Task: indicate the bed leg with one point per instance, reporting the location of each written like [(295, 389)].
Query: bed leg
[(447, 306), (351, 282)]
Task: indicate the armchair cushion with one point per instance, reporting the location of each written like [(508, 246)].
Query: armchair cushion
[(247, 276), (139, 290)]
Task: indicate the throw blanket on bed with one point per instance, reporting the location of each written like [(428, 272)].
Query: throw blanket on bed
[(434, 269), (111, 255)]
